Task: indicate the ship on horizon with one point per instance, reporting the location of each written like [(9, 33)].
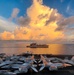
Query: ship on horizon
[(35, 45)]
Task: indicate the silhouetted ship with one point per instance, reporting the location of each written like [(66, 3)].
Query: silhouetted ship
[(35, 45)]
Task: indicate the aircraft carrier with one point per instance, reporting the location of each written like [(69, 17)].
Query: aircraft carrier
[(35, 45), (61, 71)]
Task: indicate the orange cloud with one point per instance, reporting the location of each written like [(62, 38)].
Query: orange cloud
[(22, 33), (46, 19), (42, 24), (7, 36)]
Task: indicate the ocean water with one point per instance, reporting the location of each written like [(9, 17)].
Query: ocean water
[(18, 47)]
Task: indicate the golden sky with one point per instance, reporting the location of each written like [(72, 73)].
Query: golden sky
[(40, 24)]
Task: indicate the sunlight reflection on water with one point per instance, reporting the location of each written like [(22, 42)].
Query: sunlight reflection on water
[(20, 47)]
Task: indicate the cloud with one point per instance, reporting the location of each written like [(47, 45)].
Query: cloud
[(23, 21), (45, 18), (54, 17), (39, 1), (69, 30), (42, 35), (22, 33), (6, 36), (71, 37), (14, 13), (6, 25), (42, 21), (69, 9), (64, 23)]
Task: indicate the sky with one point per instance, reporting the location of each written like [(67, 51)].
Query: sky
[(45, 20)]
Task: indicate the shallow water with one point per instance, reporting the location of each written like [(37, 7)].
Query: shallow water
[(16, 47)]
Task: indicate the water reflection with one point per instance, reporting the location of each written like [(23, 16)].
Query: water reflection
[(20, 47)]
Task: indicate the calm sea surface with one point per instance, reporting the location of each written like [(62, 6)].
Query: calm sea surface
[(20, 47)]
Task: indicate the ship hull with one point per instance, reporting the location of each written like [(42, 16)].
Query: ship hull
[(34, 45), (37, 46)]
